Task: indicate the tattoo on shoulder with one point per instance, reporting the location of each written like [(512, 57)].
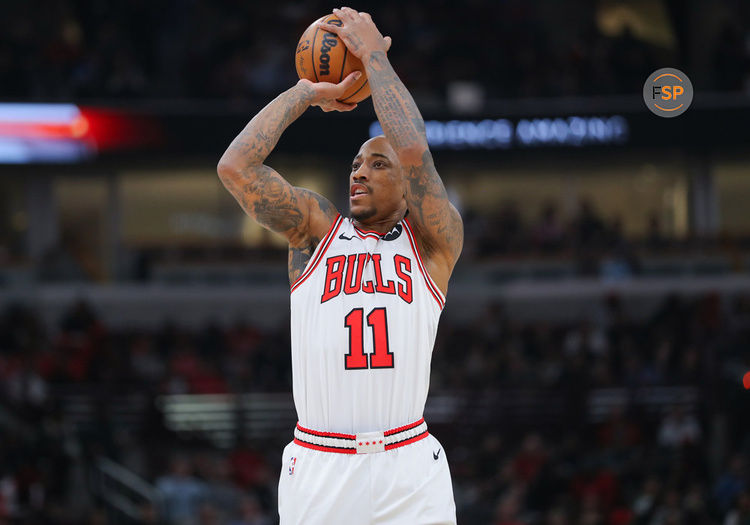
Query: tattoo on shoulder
[(299, 256), (323, 204)]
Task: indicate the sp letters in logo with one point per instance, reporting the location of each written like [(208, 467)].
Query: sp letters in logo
[(330, 41), (668, 92), (292, 464)]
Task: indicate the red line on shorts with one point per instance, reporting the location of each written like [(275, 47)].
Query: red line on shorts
[(325, 434)]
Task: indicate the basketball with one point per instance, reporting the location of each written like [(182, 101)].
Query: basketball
[(322, 57)]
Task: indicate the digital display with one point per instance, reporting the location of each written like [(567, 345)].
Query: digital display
[(505, 133), (43, 133)]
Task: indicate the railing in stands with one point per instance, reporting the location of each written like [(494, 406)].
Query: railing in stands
[(224, 418), (123, 491), (221, 418)]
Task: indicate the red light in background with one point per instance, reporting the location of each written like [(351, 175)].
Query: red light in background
[(101, 128), (68, 133), (114, 130)]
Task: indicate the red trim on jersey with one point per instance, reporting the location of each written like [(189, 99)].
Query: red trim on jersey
[(368, 232), (407, 441), (365, 235), (325, 449), (405, 427), (326, 434), (325, 243), (434, 290)]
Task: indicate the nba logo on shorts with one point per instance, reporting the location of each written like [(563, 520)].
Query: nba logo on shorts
[(292, 462)]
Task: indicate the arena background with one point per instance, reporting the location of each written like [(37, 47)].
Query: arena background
[(588, 368)]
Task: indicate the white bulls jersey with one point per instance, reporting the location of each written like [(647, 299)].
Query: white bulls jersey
[(364, 314)]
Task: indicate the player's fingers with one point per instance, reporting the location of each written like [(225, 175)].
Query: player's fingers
[(346, 13), (329, 27), (388, 43), (366, 15), (350, 79), (342, 106)]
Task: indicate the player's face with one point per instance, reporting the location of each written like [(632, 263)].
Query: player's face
[(376, 188)]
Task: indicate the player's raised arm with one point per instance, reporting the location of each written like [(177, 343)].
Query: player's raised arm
[(302, 216), (438, 222)]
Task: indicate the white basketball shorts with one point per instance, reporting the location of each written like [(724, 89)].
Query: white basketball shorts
[(410, 485)]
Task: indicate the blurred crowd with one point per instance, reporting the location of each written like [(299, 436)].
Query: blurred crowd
[(683, 464), (243, 51), (596, 244), (585, 242)]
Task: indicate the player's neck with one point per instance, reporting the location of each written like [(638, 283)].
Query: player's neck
[(383, 225)]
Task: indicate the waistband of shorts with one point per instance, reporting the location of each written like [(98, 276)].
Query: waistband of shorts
[(363, 442)]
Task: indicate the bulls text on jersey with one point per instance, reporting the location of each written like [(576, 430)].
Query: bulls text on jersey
[(344, 274)]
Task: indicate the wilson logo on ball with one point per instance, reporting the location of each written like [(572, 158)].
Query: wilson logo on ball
[(329, 42)]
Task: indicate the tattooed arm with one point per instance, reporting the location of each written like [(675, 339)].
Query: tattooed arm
[(302, 216), (438, 223)]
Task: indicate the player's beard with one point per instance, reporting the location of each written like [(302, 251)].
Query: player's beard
[(363, 215)]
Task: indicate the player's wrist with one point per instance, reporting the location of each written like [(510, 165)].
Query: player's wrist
[(306, 91), (374, 59)]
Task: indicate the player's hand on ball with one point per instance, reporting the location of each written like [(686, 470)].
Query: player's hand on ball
[(326, 93), (358, 32)]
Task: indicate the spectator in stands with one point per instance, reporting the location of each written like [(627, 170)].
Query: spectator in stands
[(679, 429), (508, 509), (548, 232), (75, 50), (25, 386), (645, 503), (670, 512), (221, 493), (639, 469), (251, 512), (530, 459), (655, 238), (182, 493), (740, 513), (731, 483)]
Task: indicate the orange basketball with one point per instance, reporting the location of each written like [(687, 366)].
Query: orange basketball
[(322, 57)]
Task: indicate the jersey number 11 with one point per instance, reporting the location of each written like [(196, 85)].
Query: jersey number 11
[(381, 356)]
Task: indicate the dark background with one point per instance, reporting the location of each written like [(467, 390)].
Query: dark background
[(588, 367)]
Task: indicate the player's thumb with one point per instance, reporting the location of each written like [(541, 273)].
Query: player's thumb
[(388, 42), (350, 79)]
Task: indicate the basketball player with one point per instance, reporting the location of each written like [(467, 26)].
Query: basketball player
[(366, 294)]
